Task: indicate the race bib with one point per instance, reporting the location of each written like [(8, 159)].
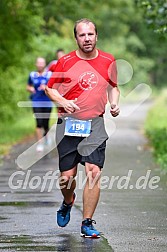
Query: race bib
[(75, 127)]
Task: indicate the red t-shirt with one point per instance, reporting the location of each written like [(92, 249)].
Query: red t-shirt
[(51, 66), (86, 80)]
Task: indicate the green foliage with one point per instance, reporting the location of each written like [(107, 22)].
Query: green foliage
[(11, 91), (158, 140), (20, 21), (47, 45), (15, 131), (19, 127), (155, 13), (156, 128), (37, 28)]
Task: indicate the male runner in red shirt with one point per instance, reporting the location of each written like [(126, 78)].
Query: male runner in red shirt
[(81, 83)]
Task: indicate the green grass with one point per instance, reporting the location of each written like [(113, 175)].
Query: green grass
[(13, 132), (156, 128)]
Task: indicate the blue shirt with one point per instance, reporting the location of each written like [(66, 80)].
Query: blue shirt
[(39, 98)]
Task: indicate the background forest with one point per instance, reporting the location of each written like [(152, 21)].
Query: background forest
[(131, 30)]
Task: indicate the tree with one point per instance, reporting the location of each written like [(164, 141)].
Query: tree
[(155, 12), (20, 21), (31, 28)]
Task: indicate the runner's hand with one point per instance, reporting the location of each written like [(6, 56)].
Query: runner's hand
[(42, 87), (70, 106), (114, 110), (31, 90)]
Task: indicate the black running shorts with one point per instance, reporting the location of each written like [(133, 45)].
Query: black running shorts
[(73, 149), (42, 122)]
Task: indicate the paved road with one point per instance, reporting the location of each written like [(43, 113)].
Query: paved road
[(130, 219)]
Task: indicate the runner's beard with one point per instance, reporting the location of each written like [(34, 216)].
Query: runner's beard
[(89, 50)]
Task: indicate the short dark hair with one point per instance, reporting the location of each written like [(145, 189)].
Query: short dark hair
[(59, 50), (83, 20)]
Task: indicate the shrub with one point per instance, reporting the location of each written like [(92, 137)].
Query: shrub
[(156, 128)]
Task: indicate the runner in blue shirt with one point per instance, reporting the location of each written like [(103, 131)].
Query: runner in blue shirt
[(41, 104)]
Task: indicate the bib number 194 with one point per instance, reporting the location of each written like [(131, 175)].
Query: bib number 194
[(78, 126), (75, 127)]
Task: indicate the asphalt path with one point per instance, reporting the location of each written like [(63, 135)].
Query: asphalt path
[(131, 214)]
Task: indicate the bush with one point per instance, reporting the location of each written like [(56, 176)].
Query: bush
[(156, 128), (158, 140), (12, 86)]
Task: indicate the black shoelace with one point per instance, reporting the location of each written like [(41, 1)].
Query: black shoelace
[(89, 222), (63, 210)]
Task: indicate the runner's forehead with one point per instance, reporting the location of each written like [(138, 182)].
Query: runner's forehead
[(85, 28), (40, 61)]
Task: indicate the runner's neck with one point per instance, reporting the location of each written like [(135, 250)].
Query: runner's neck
[(89, 56), (40, 72)]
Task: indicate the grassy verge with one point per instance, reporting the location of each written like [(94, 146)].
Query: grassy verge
[(156, 128), (13, 132)]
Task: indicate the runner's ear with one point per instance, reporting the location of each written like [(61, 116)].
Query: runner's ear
[(96, 37)]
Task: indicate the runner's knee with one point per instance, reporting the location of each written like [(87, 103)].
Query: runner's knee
[(93, 171), (67, 176)]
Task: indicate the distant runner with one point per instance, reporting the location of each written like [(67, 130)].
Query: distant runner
[(41, 103)]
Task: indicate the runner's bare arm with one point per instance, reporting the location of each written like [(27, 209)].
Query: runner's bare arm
[(68, 105), (113, 97), (30, 88)]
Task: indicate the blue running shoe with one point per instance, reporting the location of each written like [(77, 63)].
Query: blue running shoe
[(63, 214), (88, 230)]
